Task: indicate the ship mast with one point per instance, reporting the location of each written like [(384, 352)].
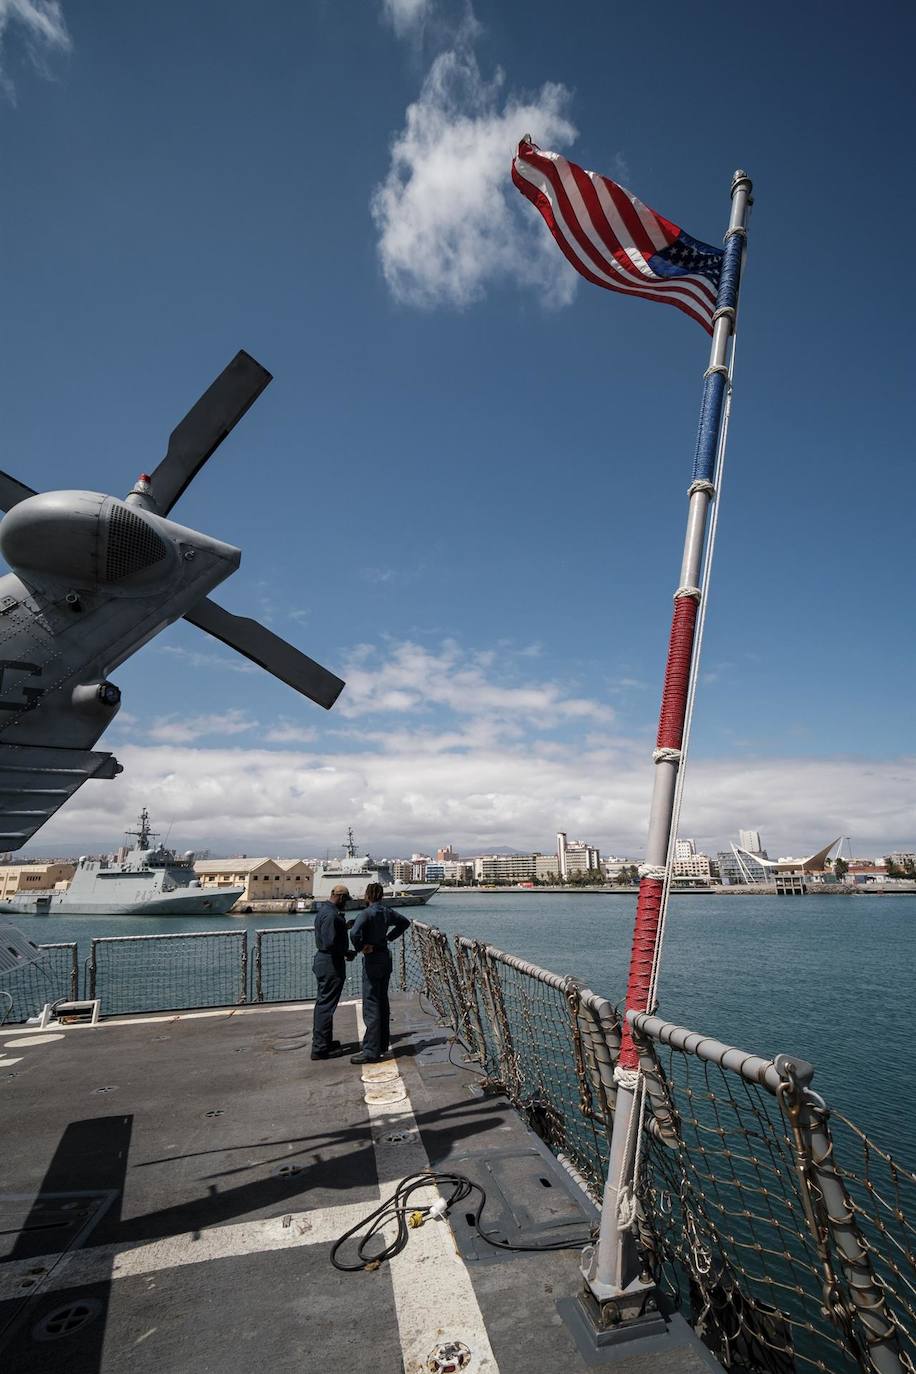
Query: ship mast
[(350, 846), (143, 834)]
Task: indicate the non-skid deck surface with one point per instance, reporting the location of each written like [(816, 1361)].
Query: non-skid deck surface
[(171, 1185)]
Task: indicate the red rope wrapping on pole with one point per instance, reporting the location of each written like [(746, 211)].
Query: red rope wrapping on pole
[(677, 674), (670, 735), (648, 909)]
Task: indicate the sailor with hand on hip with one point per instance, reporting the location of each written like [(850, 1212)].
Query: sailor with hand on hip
[(372, 932)]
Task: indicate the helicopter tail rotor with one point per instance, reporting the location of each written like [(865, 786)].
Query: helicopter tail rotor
[(195, 438)]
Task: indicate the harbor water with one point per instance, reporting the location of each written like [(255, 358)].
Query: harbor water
[(827, 978)]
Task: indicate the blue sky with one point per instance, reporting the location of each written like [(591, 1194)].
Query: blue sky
[(465, 488)]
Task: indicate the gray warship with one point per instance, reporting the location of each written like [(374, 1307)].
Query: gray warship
[(357, 871), (151, 880)]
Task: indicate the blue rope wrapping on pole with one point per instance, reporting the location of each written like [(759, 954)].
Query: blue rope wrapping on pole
[(704, 462)]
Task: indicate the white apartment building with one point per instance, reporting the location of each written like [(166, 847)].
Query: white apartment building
[(575, 856), (504, 868), (684, 849), (694, 869), (546, 868), (750, 840)]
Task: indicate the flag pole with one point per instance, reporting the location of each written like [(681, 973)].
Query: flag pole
[(618, 1288)]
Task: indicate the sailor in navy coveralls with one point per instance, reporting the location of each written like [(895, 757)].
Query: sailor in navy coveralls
[(332, 950), (372, 932)]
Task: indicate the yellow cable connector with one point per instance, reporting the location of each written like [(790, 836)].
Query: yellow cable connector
[(415, 1219)]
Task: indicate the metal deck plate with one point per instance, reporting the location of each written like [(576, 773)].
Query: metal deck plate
[(531, 1201)]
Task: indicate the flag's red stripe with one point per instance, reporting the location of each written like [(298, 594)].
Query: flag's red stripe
[(603, 228), (548, 168), (674, 290), (629, 216), (540, 201), (688, 287)]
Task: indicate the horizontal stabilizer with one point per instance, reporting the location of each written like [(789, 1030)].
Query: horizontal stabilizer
[(269, 651), (35, 780), (12, 492), (205, 427)]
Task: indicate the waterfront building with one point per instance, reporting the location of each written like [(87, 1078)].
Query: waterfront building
[(575, 856), (435, 871), (401, 870), (684, 849), (692, 870), (457, 871), (504, 868), (34, 877), (263, 879), (750, 840), (546, 868), (446, 855)]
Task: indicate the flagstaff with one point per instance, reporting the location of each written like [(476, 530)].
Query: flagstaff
[(616, 1281)]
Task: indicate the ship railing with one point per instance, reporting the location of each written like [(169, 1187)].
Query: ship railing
[(136, 973), (28, 989), (282, 966), (779, 1227)]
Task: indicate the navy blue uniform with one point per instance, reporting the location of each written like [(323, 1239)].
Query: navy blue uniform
[(329, 964), (373, 930)]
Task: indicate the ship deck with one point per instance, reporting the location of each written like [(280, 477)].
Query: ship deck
[(172, 1185)]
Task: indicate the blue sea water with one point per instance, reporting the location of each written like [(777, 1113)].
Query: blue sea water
[(827, 978)]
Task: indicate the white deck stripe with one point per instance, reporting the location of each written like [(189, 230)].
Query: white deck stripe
[(433, 1294), (98, 1263), (441, 1307)]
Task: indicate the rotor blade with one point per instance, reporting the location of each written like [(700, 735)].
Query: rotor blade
[(268, 650), (206, 425), (12, 492)]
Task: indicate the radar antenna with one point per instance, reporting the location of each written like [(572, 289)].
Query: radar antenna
[(143, 834), (350, 846)]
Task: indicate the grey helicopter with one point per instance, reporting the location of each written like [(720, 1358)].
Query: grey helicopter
[(93, 579)]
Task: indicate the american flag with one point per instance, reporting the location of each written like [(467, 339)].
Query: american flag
[(614, 240)]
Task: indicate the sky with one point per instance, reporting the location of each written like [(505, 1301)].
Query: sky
[(465, 489)]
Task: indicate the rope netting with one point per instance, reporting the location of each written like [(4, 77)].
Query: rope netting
[(722, 1216), (132, 973), (282, 966), (734, 1210), (882, 1195), (24, 991)]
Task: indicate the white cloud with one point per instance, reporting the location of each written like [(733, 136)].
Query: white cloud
[(41, 27), (287, 732), (449, 220), (413, 790), (414, 678), (186, 729), (445, 745), (406, 16)]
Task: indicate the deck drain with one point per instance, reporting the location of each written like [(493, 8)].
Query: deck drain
[(9, 1075), (287, 1170), (215, 1111), (111, 1088), (66, 1320), (447, 1357), (397, 1137)]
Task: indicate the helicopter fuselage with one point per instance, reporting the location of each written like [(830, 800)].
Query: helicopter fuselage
[(94, 579)]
